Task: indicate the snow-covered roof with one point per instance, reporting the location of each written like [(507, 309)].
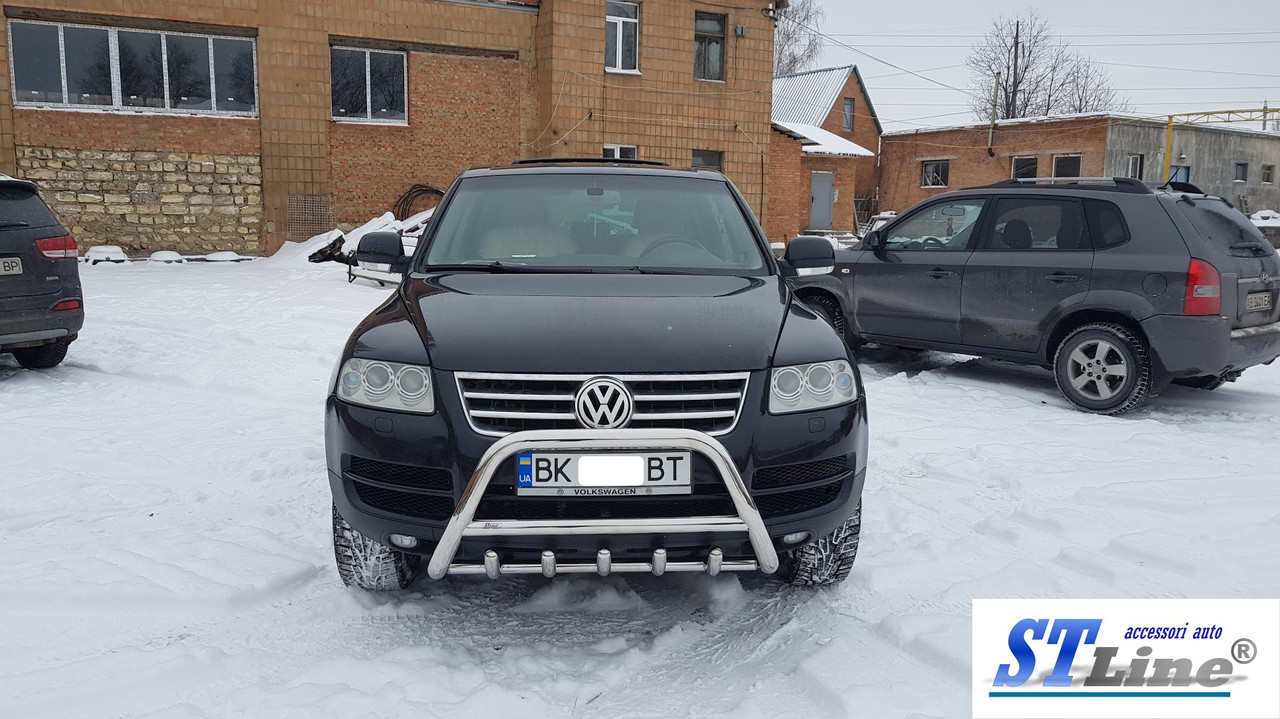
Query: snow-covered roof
[(809, 97), (1120, 117), (818, 141)]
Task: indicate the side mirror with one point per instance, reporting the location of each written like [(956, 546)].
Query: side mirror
[(874, 240), (810, 255), (383, 252)]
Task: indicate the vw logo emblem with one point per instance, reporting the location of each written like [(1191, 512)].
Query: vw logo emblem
[(603, 403)]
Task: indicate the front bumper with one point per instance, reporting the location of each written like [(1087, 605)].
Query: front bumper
[(394, 473), (1204, 346)]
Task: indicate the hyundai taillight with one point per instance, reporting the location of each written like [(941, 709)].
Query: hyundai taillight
[(1204, 290), (65, 305), (58, 248)]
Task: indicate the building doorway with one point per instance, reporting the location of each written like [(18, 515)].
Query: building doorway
[(822, 198)]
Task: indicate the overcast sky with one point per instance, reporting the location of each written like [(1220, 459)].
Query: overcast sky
[(1212, 55)]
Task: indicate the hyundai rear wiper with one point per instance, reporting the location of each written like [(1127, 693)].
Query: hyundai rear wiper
[(15, 223)]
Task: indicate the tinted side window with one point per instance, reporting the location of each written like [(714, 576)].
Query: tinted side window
[(943, 226), (1037, 224), (1106, 224), (20, 207)]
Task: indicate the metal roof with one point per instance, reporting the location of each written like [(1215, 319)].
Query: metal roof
[(809, 97)]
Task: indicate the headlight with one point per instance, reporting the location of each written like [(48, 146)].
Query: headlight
[(386, 385), (805, 387)]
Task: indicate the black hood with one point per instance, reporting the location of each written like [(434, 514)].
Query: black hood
[(599, 323)]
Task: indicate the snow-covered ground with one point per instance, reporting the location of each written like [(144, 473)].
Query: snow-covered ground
[(164, 535)]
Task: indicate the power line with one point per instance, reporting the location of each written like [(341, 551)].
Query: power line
[(910, 72), (869, 55), (1125, 46), (1068, 35), (1184, 69)]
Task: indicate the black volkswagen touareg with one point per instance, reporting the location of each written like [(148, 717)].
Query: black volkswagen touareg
[(1120, 288), (593, 367), (41, 308)]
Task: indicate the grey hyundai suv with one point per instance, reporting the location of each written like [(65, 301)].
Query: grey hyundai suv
[(1118, 287), (41, 308)]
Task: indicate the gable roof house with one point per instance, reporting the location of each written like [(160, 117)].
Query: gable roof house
[(822, 172)]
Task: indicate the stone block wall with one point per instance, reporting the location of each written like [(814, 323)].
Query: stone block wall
[(145, 201)]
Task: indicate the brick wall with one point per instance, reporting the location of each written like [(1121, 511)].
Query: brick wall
[(149, 182), (970, 164), (790, 171), (864, 133), (553, 99), (463, 112), (663, 110), (145, 201)]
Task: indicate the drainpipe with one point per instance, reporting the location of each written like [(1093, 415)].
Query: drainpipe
[(991, 134)]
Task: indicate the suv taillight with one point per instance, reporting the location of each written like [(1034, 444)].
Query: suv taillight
[(1204, 290), (58, 248)]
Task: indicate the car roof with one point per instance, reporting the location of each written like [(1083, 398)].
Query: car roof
[(7, 181), (593, 166)]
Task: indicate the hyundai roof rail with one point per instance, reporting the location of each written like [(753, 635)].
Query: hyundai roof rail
[(1113, 184), (1181, 187), (588, 161)]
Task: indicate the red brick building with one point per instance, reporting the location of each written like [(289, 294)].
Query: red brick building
[(209, 124), (822, 152)]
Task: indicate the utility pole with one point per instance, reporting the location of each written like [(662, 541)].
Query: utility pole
[(1011, 110), (991, 134)]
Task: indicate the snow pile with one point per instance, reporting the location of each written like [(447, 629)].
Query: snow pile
[(167, 550), (1266, 218)]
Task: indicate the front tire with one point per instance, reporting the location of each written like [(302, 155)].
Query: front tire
[(1103, 368), (827, 561), (43, 356), (367, 563)]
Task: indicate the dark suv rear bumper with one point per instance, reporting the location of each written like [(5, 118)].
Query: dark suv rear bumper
[(1201, 346), (31, 321), (814, 462)]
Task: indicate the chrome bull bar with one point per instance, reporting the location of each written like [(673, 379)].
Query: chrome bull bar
[(463, 525)]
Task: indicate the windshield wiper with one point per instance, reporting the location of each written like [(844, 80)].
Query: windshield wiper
[(15, 223)]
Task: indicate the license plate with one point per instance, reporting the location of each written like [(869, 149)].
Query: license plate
[(10, 266), (558, 474), (1257, 301)]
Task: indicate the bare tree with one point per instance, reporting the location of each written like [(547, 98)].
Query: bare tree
[(796, 42), (1039, 73)]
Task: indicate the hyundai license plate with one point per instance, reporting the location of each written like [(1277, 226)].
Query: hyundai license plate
[(10, 266), (558, 474), (1257, 301)]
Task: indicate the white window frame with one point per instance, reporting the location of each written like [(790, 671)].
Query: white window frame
[(368, 118), (946, 182), (1065, 155), (619, 20), (617, 151), (1129, 170), (1013, 165), (113, 49), (848, 111)]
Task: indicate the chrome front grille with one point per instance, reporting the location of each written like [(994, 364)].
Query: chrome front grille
[(499, 404)]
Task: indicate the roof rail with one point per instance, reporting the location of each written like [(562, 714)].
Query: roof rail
[(588, 161), (1113, 184)]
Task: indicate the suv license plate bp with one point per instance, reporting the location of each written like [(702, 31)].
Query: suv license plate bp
[(10, 266), (558, 474), (1255, 301)]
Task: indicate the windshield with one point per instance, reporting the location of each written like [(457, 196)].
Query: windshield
[(1221, 223), (595, 223)]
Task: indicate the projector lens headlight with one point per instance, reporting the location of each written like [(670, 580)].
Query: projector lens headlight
[(806, 387), (386, 385)]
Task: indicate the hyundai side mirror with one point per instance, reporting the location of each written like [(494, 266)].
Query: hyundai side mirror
[(874, 240), (383, 252), (810, 255)]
